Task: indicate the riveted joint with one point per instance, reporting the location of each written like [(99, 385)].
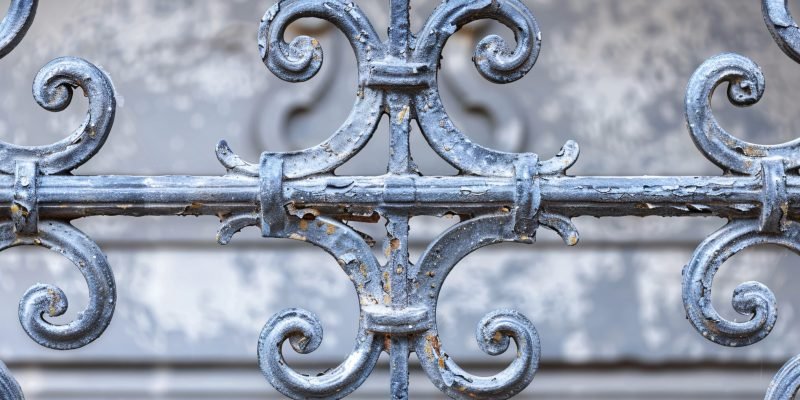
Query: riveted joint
[(273, 215), (775, 199), (399, 75), (528, 196), (405, 321), (399, 189), (25, 208)]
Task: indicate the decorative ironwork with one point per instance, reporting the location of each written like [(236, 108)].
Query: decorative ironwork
[(295, 195)]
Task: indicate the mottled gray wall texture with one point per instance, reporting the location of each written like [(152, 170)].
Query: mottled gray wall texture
[(611, 75)]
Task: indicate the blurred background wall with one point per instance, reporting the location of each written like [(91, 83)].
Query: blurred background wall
[(611, 76)]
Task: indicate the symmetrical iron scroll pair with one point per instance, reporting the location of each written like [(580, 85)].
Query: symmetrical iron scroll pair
[(500, 197)]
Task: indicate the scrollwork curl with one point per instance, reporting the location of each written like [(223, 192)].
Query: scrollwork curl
[(745, 87), (49, 300), (494, 335), (495, 61), (752, 299), (15, 24), (301, 59), (304, 332), (53, 89)]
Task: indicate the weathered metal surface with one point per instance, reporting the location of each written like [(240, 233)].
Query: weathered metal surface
[(499, 197)]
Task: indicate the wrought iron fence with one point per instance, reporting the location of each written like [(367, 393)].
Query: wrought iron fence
[(499, 197)]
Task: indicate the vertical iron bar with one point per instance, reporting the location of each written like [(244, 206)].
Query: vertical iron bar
[(400, 103), (400, 163), (395, 273), (399, 29)]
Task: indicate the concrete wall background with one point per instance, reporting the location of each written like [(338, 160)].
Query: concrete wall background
[(611, 76)]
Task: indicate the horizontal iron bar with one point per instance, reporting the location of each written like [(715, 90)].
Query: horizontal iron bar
[(79, 196)]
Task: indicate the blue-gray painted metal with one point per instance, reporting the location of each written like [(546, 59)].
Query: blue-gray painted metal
[(500, 197)]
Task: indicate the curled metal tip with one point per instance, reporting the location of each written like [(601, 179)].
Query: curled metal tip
[(233, 225), (494, 335), (301, 59), (52, 89), (561, 225), (751, 299), (41, 300), (495, 60), (232, 162), (304, 332)]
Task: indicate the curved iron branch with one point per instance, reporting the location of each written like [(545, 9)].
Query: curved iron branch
[(343, 145), (458, 150)]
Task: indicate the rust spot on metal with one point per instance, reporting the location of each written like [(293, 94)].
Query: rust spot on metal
[(387, 342), (195, 208), (54, 299), (387, 283), (498, 337), (19, 208), (572, 240), (295, 236), (753, 151), (401, 116), (394, 244)]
